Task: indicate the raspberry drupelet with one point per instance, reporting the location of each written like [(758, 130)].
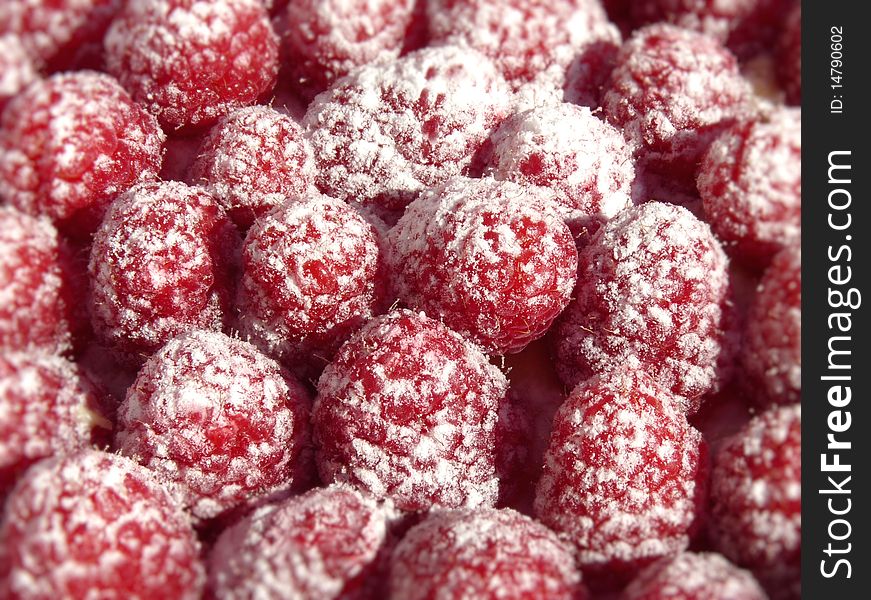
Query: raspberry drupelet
[(386, 132), (70, 144), (483, 554), (756, 499), (94, 524), (408, 411), (328, 543), (17, 69), (788, 56), (653, 292), (312, 273), (218, 421), (493, 259), (189, 62), (161, 264), (624, 475)]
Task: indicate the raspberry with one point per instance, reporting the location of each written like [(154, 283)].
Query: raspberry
[(387, 132), (789, 56), (252, 160), (189, 62), (750, 184), (491, 258), (408, 411), (624, 475), (96, 525), (17, 70), (653, 292), (161, 264), (691, 576), (218, 420), (772, 352), (70, 144), (672, 91), (756, 499), (484, 553), (327, 543), (47, 407), (585, 161), (312, 274)]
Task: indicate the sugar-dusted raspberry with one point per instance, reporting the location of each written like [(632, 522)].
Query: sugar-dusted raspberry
[(694, 576), (750, 184), (756, 499), (312, 274), (672, 91), (94, 524), (71, 143), (218, 420), (624, 475), (493, 259), (653, 292), (772, 351), (161, 264), (252, 160), (190, 62), (386, 132), (327, 543), (483, 553), (408, 411), (788, 63), (564, 147), (17, 70)]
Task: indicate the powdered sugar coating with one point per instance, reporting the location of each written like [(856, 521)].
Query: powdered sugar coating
[(693, 576), (483, 553), (17, 70), (788, 49), (96, 525), (653, 292), (493, 259), (189, 62), (408, 411)]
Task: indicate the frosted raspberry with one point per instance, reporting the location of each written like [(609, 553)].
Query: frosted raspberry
[(691, 576), (789, 56), (408, 411), (252, 160), (389, 131), (17, 70), (585, 161), (493, 259), (624, 474), (750, 184), (756, 499), (672, 91), (96, 525), (217, 420), (161, 264), (327, 543), (772, 352), (313, 273), (190, 62), (483, 553), (70, 144), (653, 292)]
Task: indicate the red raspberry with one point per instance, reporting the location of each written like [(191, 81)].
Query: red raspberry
[(483, 553), (70, 144), (772, 352), (327, 543), (750, 184), (17, 70), (584, 160), (389, 131), (493, 259), (192, 61), (252, 160), (217, 420), (96, 525), (161, 264), (408, 411), (756, 499), (691, 576), (624, 474), (313, 273), (653, 292), (789, 56)]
